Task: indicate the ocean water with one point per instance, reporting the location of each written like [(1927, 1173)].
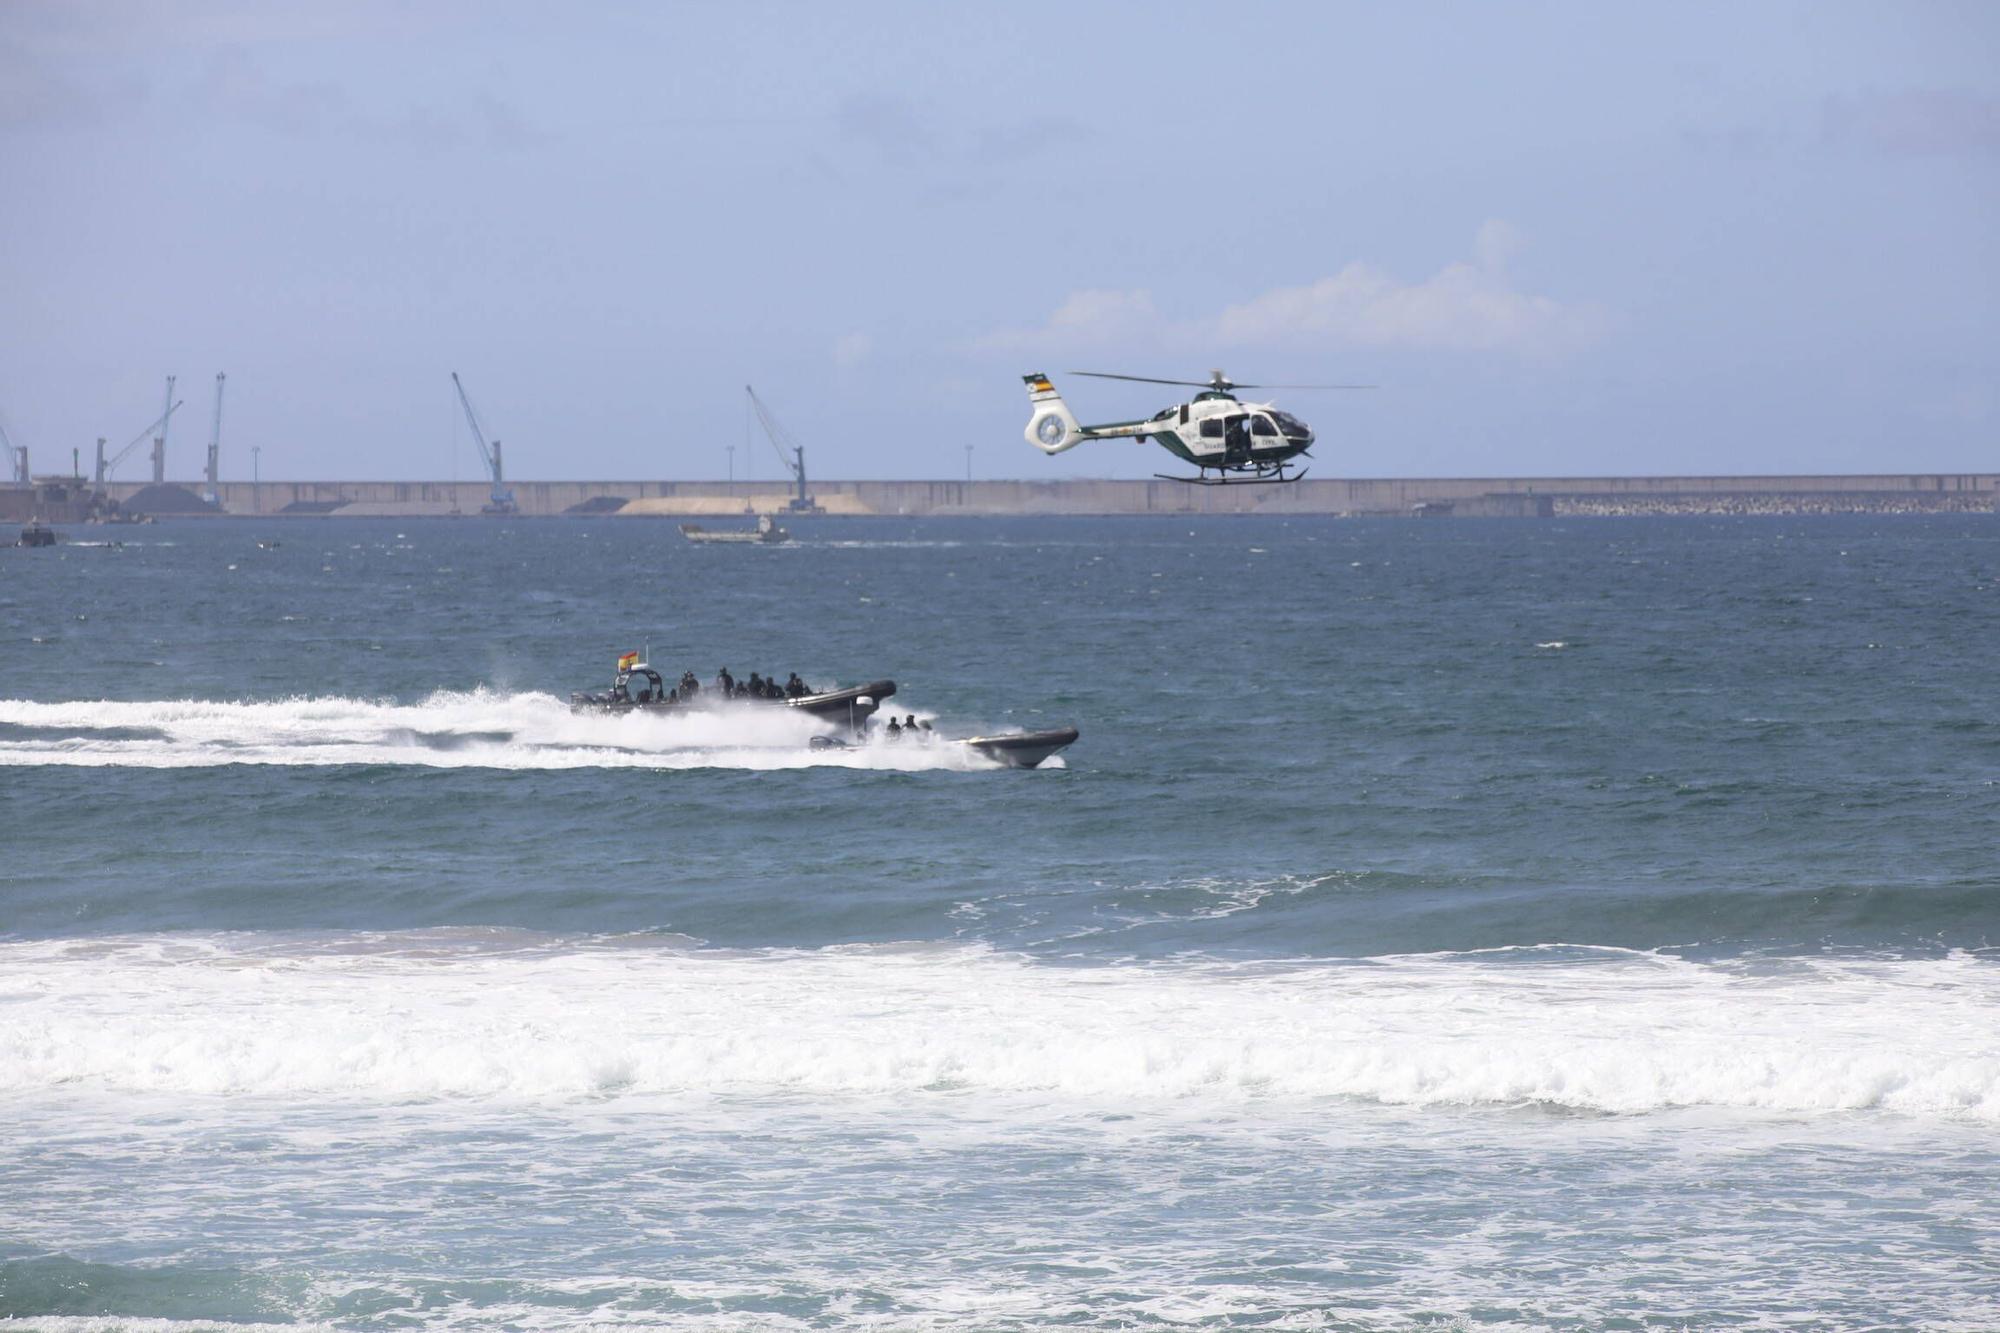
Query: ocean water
[(1584, 924)]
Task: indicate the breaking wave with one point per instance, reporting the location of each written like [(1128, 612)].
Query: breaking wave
[(449, 729), (457, 1015)]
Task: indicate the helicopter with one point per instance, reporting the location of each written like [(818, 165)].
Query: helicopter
[(1242, 443)]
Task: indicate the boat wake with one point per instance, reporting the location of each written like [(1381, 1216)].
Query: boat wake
[(450, 729)]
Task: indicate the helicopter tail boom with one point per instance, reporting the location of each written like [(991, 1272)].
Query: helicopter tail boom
[(1052, 427)]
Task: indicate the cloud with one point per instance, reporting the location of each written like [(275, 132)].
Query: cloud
[(851, 349), (1091, 318), (890, 125), (1022, 140), (1466, 306), (1739, 141), (36, 90), (903, 134), (1913, 123), (1094, 309), (89, 64), (236, 86), (233, 84)]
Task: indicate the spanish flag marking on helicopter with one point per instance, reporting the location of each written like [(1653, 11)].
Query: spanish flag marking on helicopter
[(626, 661)]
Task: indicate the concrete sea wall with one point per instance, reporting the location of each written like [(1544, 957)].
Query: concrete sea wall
[(1408, 496)]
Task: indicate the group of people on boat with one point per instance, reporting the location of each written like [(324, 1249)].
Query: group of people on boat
[(908, 729), (689, 687), (759, 687)]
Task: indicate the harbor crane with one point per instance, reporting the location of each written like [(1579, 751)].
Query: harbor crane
[(17, 458), (790, 452), (160, 440), (106, 466), (502, 501), (214, 493)]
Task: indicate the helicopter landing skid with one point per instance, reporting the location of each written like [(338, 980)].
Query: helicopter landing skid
[(1280, 478)]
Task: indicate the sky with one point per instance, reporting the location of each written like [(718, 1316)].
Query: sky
[(1561, 239)]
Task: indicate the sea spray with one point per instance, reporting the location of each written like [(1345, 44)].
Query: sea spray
[(448, 729), (411, 1017)]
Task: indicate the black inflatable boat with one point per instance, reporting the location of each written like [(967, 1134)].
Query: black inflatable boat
[(1023, 749), (640, 689)]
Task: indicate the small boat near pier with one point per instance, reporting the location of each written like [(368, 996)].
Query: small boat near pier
[(766, 533)]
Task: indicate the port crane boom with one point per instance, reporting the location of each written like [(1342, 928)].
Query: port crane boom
[(17, 458), (502, 501), (106, 466), (790, 452)]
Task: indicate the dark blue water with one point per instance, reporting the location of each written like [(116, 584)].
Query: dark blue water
[(1496, 924)]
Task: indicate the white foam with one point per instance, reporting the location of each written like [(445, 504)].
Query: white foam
[(450, 729), (417, 1017), (118, 1323)]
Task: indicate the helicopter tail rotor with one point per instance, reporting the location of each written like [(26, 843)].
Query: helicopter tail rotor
[(1052, 428)]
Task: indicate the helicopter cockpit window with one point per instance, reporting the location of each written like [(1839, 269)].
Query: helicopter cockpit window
[(1262, 426), (1211, 428), (1290, 424)]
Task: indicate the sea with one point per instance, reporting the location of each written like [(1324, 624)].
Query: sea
[(1458, 924)]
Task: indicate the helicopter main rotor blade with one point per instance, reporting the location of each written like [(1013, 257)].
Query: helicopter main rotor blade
[(1141, 379), (1211, 383)]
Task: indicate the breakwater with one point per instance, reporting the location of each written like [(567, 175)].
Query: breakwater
[(1402, 496)]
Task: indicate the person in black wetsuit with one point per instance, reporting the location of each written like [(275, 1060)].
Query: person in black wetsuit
[(1236, 442), (689, 685), (796, 688), (727, 682), (895, 732), (755, 689)]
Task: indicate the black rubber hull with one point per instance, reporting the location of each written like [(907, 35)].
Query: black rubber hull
[(1024, 749), (841, 705)]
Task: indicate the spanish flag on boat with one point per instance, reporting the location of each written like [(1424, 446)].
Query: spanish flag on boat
[(626, 661)]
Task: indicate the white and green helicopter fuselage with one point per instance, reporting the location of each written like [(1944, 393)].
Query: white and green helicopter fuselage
[(1214, 429)]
